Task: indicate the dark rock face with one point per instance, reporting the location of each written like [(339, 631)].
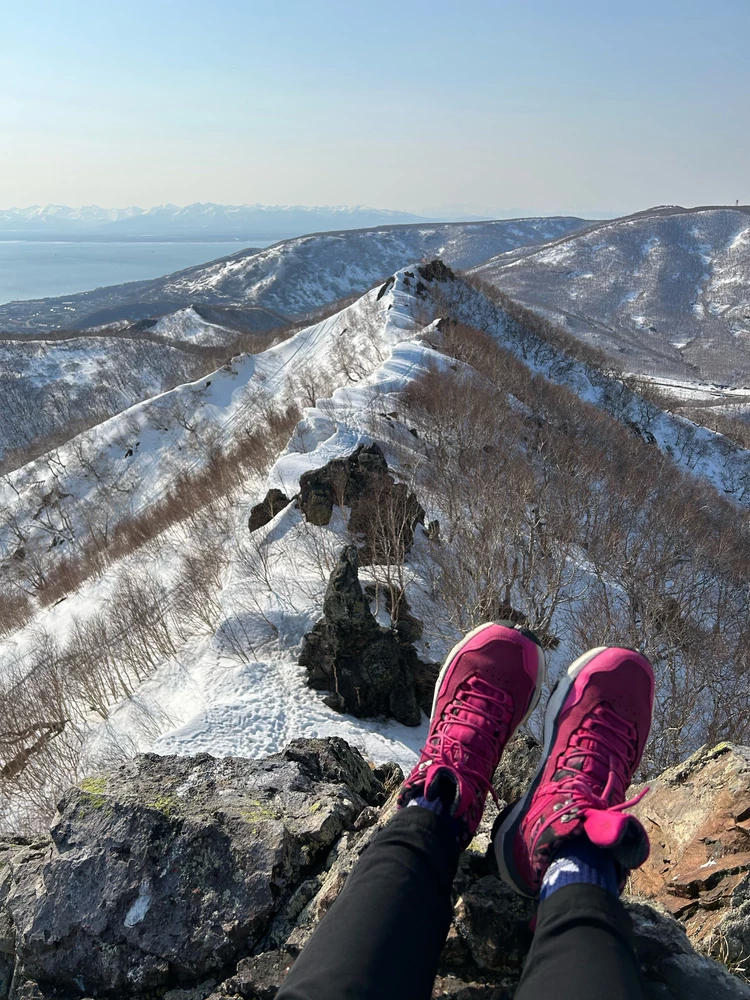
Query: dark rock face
[(517, 767), (171, 869), (384, 288), (261, 976), (340, 482), (673, 970), (202, 879), (367, 670), (436, 270), (265, 511), (408, 628), (491, 920), (384, 513), (366, 666)]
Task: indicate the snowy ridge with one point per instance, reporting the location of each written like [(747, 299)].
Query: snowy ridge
[(188, 326), (694, 449), (211, 702), (139, 452), (238, 689)]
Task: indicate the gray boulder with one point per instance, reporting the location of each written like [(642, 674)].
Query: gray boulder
[(170, 869), (672, 969)]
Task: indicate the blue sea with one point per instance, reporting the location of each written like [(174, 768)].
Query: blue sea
[(36, 269)]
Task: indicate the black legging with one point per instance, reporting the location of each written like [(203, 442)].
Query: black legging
[(382, 937)]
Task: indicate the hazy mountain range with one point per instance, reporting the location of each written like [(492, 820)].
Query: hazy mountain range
[(192, 222), (666, 291)]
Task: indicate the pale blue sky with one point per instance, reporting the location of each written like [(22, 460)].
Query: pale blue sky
[(543, 105)]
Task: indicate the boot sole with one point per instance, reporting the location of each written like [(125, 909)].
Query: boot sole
[(507, 832)]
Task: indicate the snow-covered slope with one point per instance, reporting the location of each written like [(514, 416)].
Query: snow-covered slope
[(668, 289), (52, 388), (363, 353), (140, 452), (188, 326), (690, 392), (293, 277), (233, 685), (47, 387)]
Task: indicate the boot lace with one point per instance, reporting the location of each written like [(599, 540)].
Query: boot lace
[(597, 765), (492, 710)]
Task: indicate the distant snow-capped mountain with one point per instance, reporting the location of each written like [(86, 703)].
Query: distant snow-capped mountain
[(197, 221), (52, 218), (667, 289)]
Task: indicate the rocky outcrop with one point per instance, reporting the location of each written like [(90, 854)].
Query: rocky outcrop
[(366, 669), (186, 878), (171, 869), (698, 818), (436, 270), (369, 670), (265, 511), (383, 513), (672, 968), (519, 763)]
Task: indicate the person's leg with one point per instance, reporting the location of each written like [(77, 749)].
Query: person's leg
[(569, 840), (382, 937), (582, 949)]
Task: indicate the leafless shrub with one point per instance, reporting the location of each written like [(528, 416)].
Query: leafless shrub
[(194, 603), (15, 609), (223, 472), (309, 382), (529, 328), (734, 426), (235, 637)]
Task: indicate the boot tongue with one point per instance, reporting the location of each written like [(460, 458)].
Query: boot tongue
[(475, 708), (592, 765), (443, 784), (597, 775), (594, 741)]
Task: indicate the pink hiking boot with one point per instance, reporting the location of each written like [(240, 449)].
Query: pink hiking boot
[(595, 728), (489, 685)]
